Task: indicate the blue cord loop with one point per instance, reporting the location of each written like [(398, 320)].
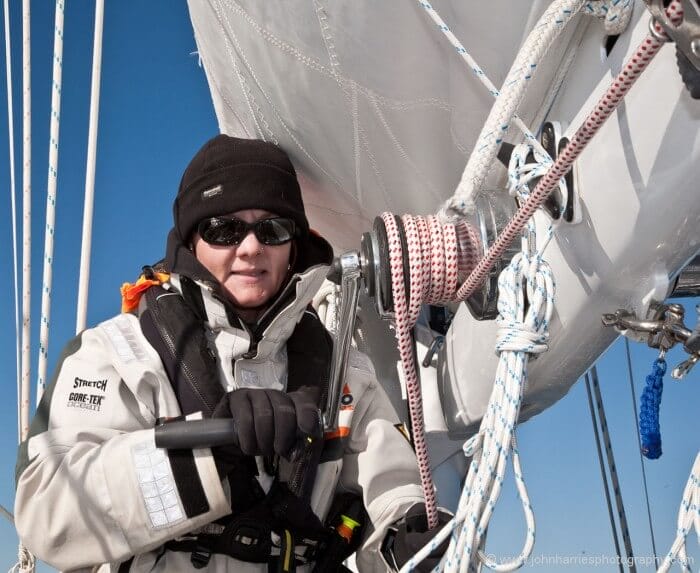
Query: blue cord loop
[(649, 404)]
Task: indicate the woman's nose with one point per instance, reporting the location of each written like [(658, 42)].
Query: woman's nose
[(249, 246)]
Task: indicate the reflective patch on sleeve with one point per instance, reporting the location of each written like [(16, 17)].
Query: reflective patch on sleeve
[(123, 339), (157, 484)]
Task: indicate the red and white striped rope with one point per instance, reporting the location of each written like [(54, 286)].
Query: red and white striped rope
[(433, 268), (602, 111)]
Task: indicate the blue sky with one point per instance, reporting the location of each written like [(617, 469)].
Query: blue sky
[(155, 112)]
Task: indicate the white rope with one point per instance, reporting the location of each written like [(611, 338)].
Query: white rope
[(688, 518), (521, 173), (524, 317), (90, 169), (51, 198), (325, 302), (24, 396), (26, 561), (476, 68), (547, 29), (615, 14), (13, 199)]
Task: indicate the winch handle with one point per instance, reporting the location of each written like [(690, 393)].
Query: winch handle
[(191, 434), (348, 269)]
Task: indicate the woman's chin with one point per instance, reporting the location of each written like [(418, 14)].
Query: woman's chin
[(248, 300)]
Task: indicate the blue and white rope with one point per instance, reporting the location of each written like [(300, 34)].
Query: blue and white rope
[(542, 36), (475, 68), (615, 14), (51, 198), (524, 317), (688, 518)]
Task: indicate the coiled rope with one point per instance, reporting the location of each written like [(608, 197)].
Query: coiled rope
[(688, 518), (524, 316), (433, 271), (649, 404), (523, 329)]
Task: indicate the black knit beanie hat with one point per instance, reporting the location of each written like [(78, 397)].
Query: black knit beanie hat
[(230, 174)]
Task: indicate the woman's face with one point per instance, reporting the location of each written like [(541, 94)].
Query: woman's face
[(251, 272)]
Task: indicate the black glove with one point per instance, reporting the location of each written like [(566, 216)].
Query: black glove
[(269, 421), (412, 534)]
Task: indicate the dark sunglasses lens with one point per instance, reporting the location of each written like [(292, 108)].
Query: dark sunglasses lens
[(217, 231), (275, 231)]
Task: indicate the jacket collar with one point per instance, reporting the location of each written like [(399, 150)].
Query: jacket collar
[(275, 325)]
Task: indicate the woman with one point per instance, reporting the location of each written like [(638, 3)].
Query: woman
[(221, 328)]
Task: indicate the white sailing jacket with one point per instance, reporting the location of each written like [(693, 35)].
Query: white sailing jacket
[(92, 488)]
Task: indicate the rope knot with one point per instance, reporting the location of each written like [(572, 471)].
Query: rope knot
[(514, 337), (473, 444)]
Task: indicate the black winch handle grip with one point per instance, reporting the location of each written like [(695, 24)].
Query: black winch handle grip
[(192, 434)]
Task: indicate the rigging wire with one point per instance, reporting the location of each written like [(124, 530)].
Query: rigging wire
[(639, 442), (51, 198), (90, 169), (621, 515), (13, 196), (603, 475)]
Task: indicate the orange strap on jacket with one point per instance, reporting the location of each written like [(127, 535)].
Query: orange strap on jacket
[(131, 292)]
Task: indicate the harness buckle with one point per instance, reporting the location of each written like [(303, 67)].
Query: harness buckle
[(200, 557)]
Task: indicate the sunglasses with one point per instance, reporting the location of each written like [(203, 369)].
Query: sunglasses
[(229, 231)]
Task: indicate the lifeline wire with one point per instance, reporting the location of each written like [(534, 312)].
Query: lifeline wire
[(639, 443), (603, 475), (90, 169), (51, 198), (649, 47), (612, 468)]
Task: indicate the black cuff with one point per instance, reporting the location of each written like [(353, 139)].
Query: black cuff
[(189, 486)]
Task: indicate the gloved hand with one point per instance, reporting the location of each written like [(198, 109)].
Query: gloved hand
[(412, 534), (269, 421)]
